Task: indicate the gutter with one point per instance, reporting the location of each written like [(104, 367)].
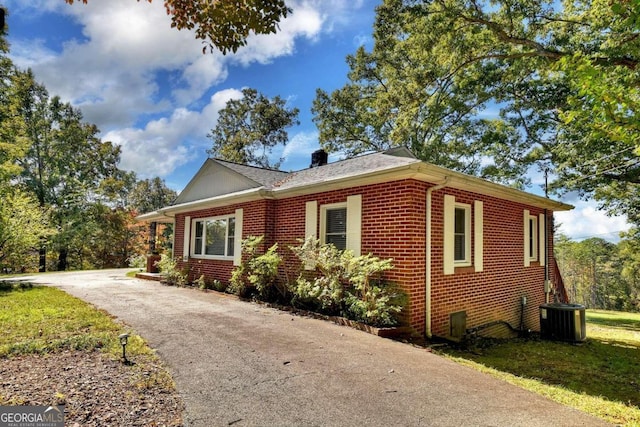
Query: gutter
[(427, 317), (238, 197)]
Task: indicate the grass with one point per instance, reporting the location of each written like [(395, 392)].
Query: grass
[(40, 320), (600, 376)]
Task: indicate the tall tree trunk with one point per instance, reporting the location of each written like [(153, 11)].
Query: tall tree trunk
[(62, 259)]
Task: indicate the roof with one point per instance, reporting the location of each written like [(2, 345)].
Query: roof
[(344, 169), (262, 176), (385, 166)]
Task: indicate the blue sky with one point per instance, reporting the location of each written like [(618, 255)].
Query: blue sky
[(150, 89)]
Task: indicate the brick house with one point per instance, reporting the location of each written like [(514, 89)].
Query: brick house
[(468, 252)]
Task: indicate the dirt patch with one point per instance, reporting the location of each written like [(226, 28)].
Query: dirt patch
[(95, 389)]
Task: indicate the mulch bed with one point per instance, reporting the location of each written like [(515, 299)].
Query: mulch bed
[(95, 389)]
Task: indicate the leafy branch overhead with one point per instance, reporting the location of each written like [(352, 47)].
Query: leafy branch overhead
[(249, 128), (496, 88), (225, 24)]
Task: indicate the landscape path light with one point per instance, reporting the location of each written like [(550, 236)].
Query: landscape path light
[(123, 341)]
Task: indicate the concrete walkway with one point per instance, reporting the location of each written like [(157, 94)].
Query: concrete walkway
[(238, 363)]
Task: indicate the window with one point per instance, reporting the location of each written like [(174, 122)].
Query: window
[(340, 223), (214, 236), (457, 235), (335, 226), (533, 238), (462, 235)]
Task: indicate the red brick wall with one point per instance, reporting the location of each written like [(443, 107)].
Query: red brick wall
[(393, 221), (495, 293), (256, 222), (393, 226)]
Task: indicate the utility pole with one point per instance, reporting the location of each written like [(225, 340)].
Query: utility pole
[(546, 182)]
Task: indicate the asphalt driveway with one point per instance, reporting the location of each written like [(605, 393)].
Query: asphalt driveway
[(238, 363)]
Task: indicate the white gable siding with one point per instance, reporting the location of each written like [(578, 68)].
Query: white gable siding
[(213, 180)]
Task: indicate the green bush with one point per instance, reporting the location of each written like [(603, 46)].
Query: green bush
[(203, 283), (326, 291), (347, 285), (137, 261), (170, 272), (258, 273)]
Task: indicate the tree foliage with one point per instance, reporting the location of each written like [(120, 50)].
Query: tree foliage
[(148, 195), (60, 187), (600, 274), (225, 24), (494, 88), (249, 128), (22, 227), (66, 161)]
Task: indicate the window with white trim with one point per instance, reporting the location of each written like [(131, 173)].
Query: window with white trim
[(462, 234), (533, 238), (458, 227), (333, 223), (214, 237)]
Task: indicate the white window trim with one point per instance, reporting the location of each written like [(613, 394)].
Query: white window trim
[(226, 238), (353, 205), (354, 224), (478, 235), (323, 219), (533, 236), (539, 246), (477, 228), (542, 244), (466, 262), (237, 244)]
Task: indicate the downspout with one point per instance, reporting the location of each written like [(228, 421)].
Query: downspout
[(547, 284), (427, 319)]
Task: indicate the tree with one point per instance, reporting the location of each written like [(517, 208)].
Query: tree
[(65, 163), (600, 274), (561, 78), (13, 143), (22, 226), (225, 24), (149, 195), (249, 128)]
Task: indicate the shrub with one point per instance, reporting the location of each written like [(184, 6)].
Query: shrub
[(258, 273), (170, 272), (202, 283), (324, 292), (348, 285), (137, 261)]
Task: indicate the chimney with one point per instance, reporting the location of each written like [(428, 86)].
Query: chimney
[(319, 158)]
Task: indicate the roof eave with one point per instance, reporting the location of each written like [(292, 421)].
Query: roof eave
[(426, 172), (432, 173), (212, 202), (421, 171)]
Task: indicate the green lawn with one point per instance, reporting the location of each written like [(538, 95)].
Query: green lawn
[(40, 319), (600, 376)]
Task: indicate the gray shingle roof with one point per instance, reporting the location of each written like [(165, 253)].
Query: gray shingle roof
[(368, 163), (265, 177)]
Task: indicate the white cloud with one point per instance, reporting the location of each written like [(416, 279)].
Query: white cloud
[(587, 221), (297, 152), (167, 143), (305, 21), (114, 71)]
